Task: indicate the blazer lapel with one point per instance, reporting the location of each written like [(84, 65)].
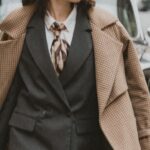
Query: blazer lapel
[(37, 45), (107, 54), (80, 48)]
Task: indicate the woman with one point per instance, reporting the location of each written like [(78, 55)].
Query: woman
[(71, 80)]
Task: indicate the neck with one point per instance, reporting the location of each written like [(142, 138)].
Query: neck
[(59, 9)]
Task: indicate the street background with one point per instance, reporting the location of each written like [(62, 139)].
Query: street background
[(145, 19)]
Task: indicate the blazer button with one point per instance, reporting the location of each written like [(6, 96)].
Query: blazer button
[(43, 113)]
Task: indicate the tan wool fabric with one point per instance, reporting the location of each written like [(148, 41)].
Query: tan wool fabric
[(123, 96)]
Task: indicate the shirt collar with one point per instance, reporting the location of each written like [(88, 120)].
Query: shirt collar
[(71, 19)]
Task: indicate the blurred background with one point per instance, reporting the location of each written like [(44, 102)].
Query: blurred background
[(133, 14)]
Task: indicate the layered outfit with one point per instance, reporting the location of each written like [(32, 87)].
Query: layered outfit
[(99, 100)]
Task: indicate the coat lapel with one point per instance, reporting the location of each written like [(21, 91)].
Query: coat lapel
[(37, 45), (107, 54), (78, 51)]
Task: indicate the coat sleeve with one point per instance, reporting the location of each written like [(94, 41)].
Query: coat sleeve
[(138, 89)]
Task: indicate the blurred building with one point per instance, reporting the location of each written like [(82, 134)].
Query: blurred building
[(6, 6), (144, 5)]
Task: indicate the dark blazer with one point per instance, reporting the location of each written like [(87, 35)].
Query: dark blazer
[(122, 93)]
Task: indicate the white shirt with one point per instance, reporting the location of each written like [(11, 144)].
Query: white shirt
[(67, 35)]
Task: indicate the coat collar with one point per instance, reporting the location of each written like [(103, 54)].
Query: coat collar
[(101, 18), (36, 31), (15, 24)]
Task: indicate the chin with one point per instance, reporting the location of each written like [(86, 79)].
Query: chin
[(75, 1)]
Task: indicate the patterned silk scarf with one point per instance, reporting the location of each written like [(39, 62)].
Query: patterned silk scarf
[(59, 48)]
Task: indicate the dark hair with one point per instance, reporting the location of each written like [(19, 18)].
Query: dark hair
[(84, 5)]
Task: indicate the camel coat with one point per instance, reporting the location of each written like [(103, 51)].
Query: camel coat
[(123, 97)]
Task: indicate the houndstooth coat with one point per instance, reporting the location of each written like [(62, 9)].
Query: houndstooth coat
[(123, 97)]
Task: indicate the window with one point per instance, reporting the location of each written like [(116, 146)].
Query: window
[(127, 17), (6, 6), (124, 11)]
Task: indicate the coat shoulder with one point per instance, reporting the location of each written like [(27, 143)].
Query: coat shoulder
[(102, 17), (109, 24), (15, 23)]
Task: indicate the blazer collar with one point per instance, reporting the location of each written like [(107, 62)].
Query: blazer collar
[(36, 33), (77, 51)]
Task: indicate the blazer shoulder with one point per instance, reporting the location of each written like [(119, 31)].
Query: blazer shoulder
[(15, 23), (102, 17)]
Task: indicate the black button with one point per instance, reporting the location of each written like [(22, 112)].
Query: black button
[(44, 112)]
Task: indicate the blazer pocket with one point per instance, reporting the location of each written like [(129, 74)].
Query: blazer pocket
[(21, 121), (86, 126)]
